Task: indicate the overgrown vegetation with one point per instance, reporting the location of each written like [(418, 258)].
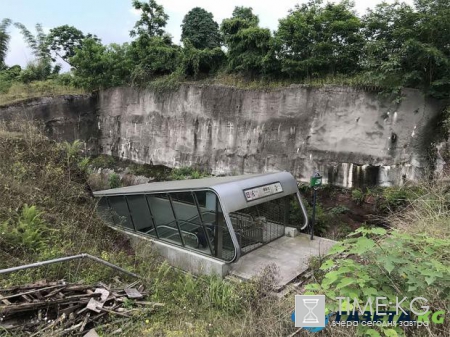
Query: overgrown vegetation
[(109, 172), (390, 47), (49, 213), (49, 202), (411, 259)]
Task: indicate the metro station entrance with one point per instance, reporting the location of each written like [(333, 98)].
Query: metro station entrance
[(221, 217)]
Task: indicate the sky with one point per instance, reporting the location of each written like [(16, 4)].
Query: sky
[(111, 20)]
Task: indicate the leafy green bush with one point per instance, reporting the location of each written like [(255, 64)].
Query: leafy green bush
[(39, 70), (387, 265), (103, 161), (323, 219), (158, 172), (339, 210), (395, 197), (29, 232), (187, 172), (195, 62), (114, 181), (358, 196)]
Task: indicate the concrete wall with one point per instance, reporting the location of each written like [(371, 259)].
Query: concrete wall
[(351, 136), (181, 258)]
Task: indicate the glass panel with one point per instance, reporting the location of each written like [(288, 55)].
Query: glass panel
[(142, 219), (164, 218), (104, 211), (121, 216), (215, 225), (186, 212)]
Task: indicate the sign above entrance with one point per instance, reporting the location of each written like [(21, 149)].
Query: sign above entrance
[(262, 191)]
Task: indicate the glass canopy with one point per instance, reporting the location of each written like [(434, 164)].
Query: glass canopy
[(221, 217)]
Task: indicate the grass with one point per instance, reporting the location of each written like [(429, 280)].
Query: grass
[(20, 91), (427, 210), (17, 91), (241, 82)]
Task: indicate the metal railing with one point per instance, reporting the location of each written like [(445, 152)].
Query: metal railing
[(64, 259)]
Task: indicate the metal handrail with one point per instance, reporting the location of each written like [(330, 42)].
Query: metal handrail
[(305, 213), (184, 232)]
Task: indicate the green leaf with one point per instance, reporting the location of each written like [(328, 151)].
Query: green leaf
[(390, 333), (313, 286), (378, 231), (327, 265), (337, 248), (330, 278), (372, 333), (389, 265), (362, 246), (412, 288), (346, 281), (430, 279), (368, 292)]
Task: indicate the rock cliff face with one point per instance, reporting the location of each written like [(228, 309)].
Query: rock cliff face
[(67, 117), (351, 137)]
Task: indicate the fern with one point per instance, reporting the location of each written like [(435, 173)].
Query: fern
[(28, 232)]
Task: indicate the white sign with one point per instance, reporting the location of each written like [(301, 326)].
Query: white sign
[(262, 191)]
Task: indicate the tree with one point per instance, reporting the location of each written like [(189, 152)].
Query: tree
[(97, 66), (4, 40), (429, 57), (409, 47), (37, 43), (241, 18), (200, 28), (64, 40), (245, 14), (41, 68), (195, 62), (248, 45), (153, 19), (153, 56), (152, 53), (386, 29), (316, 40)]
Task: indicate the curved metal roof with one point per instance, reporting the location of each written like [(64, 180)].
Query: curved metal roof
[(229, 189)]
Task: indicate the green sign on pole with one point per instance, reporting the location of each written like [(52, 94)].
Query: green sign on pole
[(316, 180)]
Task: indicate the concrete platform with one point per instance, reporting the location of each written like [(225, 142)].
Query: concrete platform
[(290, 254)]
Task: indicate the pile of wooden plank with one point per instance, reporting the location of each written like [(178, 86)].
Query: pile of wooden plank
[(60, 308)]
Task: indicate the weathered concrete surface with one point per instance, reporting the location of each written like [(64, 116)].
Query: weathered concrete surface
[(179, 257), (291, 255), (65, 118), (351, 136)]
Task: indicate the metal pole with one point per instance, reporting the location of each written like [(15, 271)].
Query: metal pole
[(176, 219), (194, 196), (63, 259), (313, 220)]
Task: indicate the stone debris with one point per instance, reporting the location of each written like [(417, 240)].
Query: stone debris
[(60, 308)]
